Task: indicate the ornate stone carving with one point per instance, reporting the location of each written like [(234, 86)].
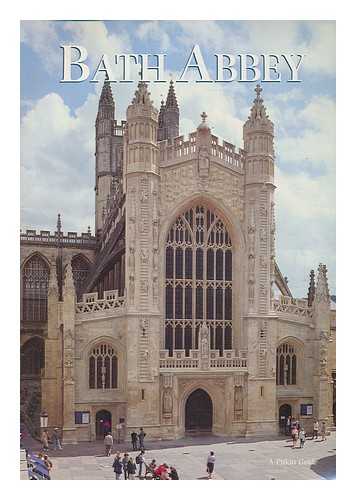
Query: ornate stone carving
[(204, 336), (155, 289), (238, 403), (167, 402), (144, 255), (131, 288), (155, 258)]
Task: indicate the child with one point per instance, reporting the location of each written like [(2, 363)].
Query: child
[(302, 437)]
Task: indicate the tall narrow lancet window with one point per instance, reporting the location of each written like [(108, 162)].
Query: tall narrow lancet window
[(198, 281), (80, 268), (103, 367), (35, 277), (286, 364)]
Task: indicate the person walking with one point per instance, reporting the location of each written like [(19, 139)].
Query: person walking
[(294, 435), (210, 464), (134, 438), (323, 431), (44, 440), (315, 429), (140, 460), (118, 466), (141, 438), (302, 437), (173, 474), (124, 465), (131, 468), (108, 442), (56, 439)]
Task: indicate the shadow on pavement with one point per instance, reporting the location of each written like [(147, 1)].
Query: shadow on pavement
[(325, 467), (96, 448)]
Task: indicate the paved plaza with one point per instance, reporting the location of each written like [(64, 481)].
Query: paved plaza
[(235, 459)]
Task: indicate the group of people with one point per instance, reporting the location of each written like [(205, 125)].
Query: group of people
[(125, 467), (297, 432), (55, 439), (39, 465)]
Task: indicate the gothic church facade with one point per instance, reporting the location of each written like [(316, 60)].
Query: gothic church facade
[(174, 315)]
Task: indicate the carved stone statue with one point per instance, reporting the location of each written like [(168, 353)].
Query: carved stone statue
[(132, 288), (167, 401)]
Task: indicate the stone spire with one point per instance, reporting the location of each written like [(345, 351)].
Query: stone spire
[(106, 97), (160, 131), (258, 117), (171, 101), (322, 287), (142, 96), (168, 120), (311, 289)]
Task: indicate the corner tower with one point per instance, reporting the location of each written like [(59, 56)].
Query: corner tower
[(169, 116), (260, 319), (142, 229), (108, 153)]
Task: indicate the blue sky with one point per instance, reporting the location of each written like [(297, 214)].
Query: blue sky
[(57, 121)]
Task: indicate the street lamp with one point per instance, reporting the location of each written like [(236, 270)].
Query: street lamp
[(44, 419)]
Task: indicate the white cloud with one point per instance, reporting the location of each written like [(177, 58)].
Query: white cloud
[(42, 37), (155, 31)]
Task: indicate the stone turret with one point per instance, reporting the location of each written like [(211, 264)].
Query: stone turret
[(311, 289), (69, 300), (259, 264), (168, 122), (108, 152), (322, 317), (141, 264)]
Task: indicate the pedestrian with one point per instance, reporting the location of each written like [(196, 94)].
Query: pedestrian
[(323, 431), (302, 437), (134, 437), (140, 460), (47, 462), (44, 440), (141, 438), (210, 464), (131, 468), (315, 429), (173, 474), (56, 439), (118, 466), (124, 464), (294, 435), (108, 442)]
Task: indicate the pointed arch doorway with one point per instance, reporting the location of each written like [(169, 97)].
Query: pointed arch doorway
[(102, 423), (198, 412)]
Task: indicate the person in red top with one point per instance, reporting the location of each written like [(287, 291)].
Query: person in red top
[(162, 471)]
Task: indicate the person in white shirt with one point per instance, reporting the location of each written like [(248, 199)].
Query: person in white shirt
[(108, 442), (210, 464)]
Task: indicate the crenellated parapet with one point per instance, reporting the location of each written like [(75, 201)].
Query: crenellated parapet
[(68, 240), (185, 148)]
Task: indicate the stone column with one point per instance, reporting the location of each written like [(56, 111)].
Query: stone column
[(69, 301), (51, 393), (260, 319)]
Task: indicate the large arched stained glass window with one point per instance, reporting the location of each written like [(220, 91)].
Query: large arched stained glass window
[(198, 283), (80, 268), (35, 277), (286, 364), (103, 367)]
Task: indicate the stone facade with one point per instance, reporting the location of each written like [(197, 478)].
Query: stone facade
[(114, 346)]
